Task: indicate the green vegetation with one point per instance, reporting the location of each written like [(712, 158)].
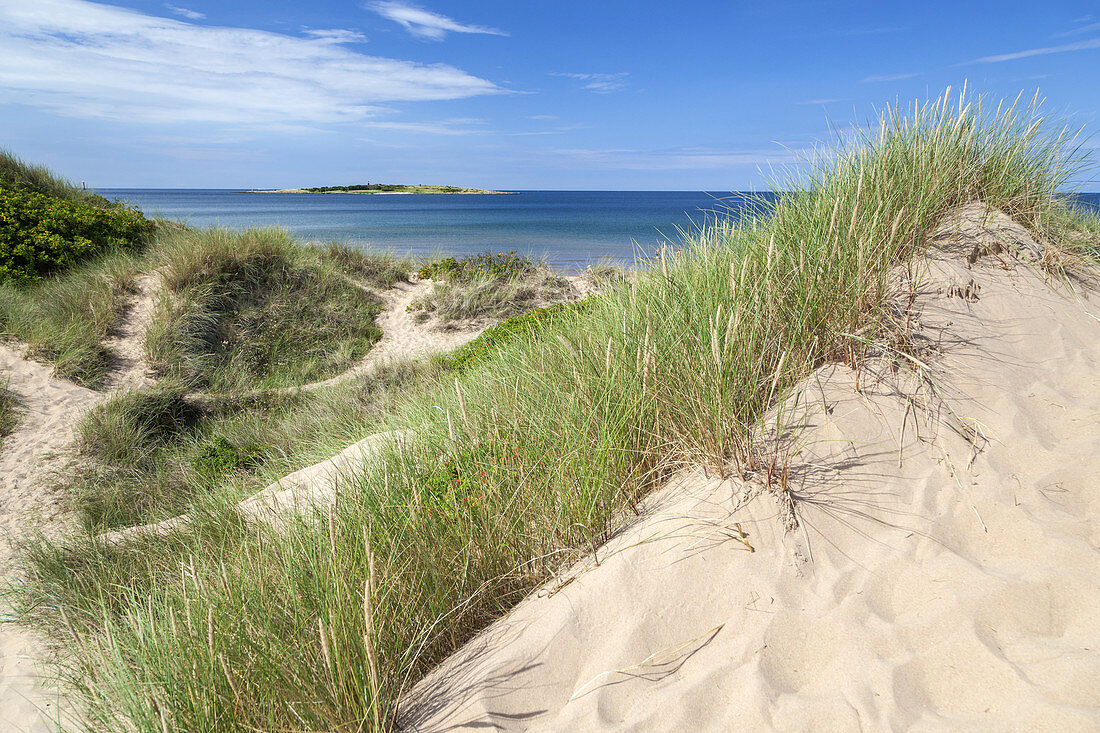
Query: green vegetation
[(517, 328), (41, 235), (386, 188), (524, 457), (9, 412), (487, 287), (254, 310), (65, 318), (47, 225)]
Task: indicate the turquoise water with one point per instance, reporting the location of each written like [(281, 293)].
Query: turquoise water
[(569, 228)]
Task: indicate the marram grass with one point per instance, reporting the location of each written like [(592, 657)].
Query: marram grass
[(523, 463)]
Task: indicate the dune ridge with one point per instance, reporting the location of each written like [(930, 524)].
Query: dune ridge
[(929, 561)]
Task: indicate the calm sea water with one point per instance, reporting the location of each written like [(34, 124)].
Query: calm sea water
[(569, 228)]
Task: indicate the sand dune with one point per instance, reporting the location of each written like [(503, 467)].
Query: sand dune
[(940, 574)]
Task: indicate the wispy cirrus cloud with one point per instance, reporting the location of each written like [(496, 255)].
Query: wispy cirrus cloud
[(694, 158), (887, 77), (1065, 48), (456, 126), (1089, 28), (424, 23), (184, 12), (598, 83), (85, 59), (334, 35)]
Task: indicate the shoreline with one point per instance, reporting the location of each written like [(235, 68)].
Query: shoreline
[(470, 192)]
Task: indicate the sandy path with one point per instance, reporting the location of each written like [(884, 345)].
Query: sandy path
[(130, 368), (942, 574), (403, 339), (51, 408)]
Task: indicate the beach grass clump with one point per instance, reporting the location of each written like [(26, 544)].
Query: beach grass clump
[(65, 318), (528, 459), (487, 287), (254, 309), (9, 411), (157, 452), (18, 175)]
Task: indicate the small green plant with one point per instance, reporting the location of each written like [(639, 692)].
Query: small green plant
[(219, 456)]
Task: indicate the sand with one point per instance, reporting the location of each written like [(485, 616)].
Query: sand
[(932, 563), (51, 408), (941, 572)]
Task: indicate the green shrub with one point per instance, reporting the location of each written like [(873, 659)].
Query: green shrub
[(499, 265), (41, 234), (219, 456)]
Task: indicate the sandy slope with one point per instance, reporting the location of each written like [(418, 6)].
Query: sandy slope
[(943, 573), (50, 408)]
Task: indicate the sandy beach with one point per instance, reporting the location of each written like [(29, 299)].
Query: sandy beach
[(930, 565)]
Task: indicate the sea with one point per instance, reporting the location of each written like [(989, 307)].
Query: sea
[(568, 229)]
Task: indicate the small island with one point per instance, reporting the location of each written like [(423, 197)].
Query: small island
[(387, 188)]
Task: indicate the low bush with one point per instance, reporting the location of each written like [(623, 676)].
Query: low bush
[(485, 265), (218, 456), (41, 234)]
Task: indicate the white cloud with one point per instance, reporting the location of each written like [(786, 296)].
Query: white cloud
[(681, 159), (184, 12), (334, 35), (458, 126), (424, 23), (1082, 29), (599, 83), (84, 59), (1079, 46), (887, 77)]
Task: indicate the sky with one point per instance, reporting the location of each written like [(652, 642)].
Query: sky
[(510, 94)]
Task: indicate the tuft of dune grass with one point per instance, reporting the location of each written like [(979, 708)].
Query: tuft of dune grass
[(9, 411), (488, 287), (65, 318), (255, 309), (523, 462)]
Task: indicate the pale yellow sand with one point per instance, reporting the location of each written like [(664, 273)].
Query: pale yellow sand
[(959, 590), (51, 408)]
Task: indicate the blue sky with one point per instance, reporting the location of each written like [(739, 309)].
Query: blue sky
[(517, 94)]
